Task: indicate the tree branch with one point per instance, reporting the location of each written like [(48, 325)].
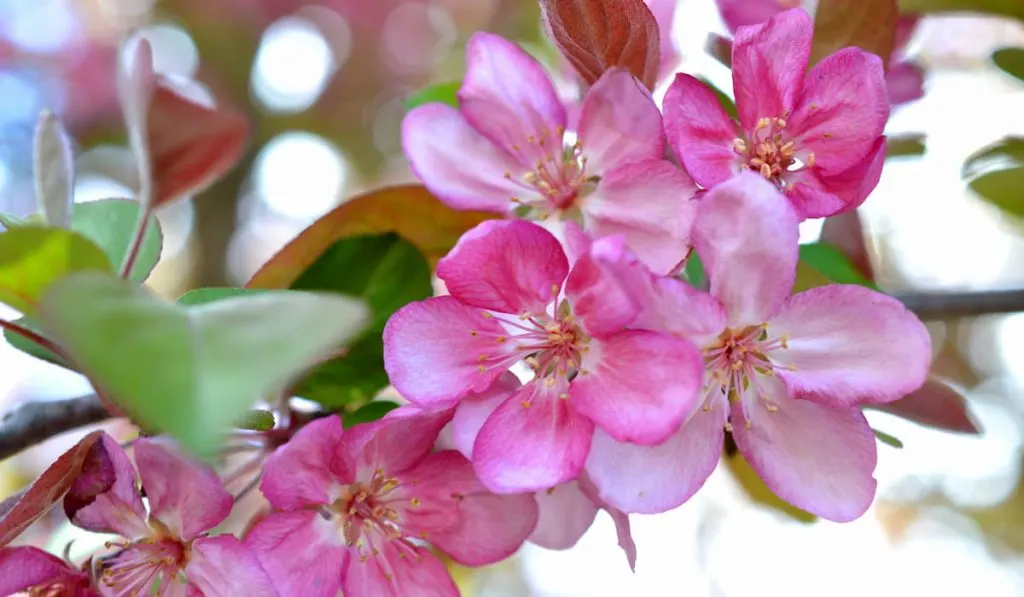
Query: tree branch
[(950, 305), (33, 422)]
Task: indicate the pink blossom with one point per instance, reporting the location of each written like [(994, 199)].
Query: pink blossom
[(785, 375), (356, 507), (165, 551), (515, 300), (818, 137), (31, 570), (506, 150)]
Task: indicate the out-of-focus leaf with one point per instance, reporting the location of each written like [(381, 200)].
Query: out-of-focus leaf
[(846, 233), (110, 223), (822, 263), (33, 258), (996, 174), (866, 24), (409, 210), (904, 145), (723, 98), (388, 273), (257, 420), (1011, 60), (596, 35), (201, 296), (694, 272), (8, 221), (369, 412), (719, 48), (759, 492), (444, 93), (936, 405), (46, 491), (192, 372), (53, 170), (31, 348), (1007, 8), (887, 439)]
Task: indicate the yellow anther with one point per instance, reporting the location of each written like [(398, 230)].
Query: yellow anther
[(416, 502), (482, 358), (524, 404), (473, 332), (728, 426), (763, 123), (780, 123), (766, 171), (501, 339), (739, 145), (810, 160), (563, 396), (772, 408)]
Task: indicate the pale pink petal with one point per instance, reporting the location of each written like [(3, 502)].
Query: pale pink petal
[(650, 204), (25, 568), (819, 459), (105, 497), (411, 572), (432, 350), (701, 132), (301, 552), (815, 195), (638, 385), (653, 479), (664, 12), (576, 241), (624, 534), (849, 345), (842, 110), (186, 496), (533, 441), (507, 96), (458, 164), (474, 409), (746, 234), (743, 13), (673, 306), (599, 287), (620, 123), (394, 443), (222, 566), (509, 266), (904, 82), (565, 514), (768, 64), (303, 471)]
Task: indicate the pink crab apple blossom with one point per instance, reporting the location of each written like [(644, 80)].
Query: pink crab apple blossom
[(165, 551), (785, 375), (816, 136), (356, 509), (514, 299), (33, 571), (506, 149)]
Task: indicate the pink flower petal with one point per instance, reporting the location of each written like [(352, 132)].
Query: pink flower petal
[(842, 110), (664, 12), (187, 497), (819, 459), (849, 345), (474, 409), (394, 443), (510, 266), (412, 572), (301, 552), (533, 441), (650, 205), (599, 286), (619, 123), (654, 479), (746, 234), (24, 568), (743, 13), (936, 404), (768, 64), (700, 131), (638, 385), (815, 195), (675, 307), (432, 350), (904, 82), (222, 566), (306, 470), (905, 28), (105, 497), (507, 96), (565, 515), (458, 164)]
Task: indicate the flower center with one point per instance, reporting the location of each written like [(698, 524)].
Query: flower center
[(364, 506), (769, 152), (142, 565), (557, 180), (736, 361)]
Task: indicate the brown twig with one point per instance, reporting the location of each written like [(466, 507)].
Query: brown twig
[(950, 305), (31, 423)]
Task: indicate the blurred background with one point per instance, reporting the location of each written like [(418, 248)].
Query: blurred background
[(323, 83)]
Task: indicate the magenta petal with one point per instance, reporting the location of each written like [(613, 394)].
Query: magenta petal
[(565, 515), (700, 132), (432, 350), (620, 123), (768, 64), (533, 441), (474, 409), (510, 266), (849, 345), (187, 497), (458, 164), (599, 287), (904, 82), (394, 443), (24, 568), (819, 459), (507, 96), (746, 234), (301, 552), (105, 497), (742, 13), (650, 205), (222, 566), (638, 385), (842, 110), (816, 196), (673, 306), (305, 471), (412, 572), (654, 479)]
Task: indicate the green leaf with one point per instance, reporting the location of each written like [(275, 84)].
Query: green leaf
[(831, 263), (723, 98), (444, 93), (369, 412), (887, 439), (31, 348), (9, 221), (1008, 8), (694, 272), (388, 273), (192, 372), (257, 420), (110, 223), (996, 174), (904, 145), (33, 258), (1011, 60), (201, 296)]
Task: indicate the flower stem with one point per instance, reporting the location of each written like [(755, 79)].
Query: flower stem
[(141, 227)]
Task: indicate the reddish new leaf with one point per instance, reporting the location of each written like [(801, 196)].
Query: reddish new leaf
[(846, 233), (46, 491), (866, 24), (596, 35), (937, 405)]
